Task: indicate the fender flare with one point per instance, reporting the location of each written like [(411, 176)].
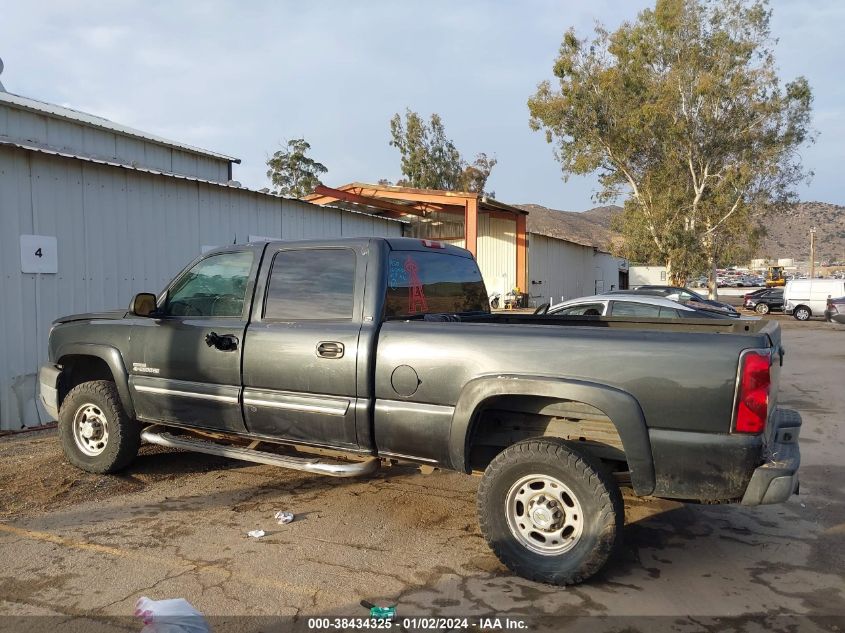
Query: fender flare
[(621, 407), (112, 357)]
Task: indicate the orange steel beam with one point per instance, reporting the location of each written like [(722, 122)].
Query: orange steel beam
[(471, 226), (435, 198), (326, 195), (521, 253), (391, 210)]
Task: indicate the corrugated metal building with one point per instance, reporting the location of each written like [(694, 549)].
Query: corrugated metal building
[(107, 211), (561, 269)]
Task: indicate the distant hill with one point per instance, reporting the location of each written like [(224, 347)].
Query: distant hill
[(590, 227), (787, 233)]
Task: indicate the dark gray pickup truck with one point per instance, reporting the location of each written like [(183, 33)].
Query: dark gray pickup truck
[(333, 356)]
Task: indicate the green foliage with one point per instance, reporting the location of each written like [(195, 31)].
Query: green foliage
[(683, 110), (430, 160), (291, 172)]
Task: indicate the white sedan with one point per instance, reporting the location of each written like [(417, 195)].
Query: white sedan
[(631, 305)]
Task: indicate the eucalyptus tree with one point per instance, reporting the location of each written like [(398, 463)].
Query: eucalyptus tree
[(682, 111)]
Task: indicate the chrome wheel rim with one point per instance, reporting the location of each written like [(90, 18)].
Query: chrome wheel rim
[(803, 314), (544, 515), (762, 308), (90, 429)]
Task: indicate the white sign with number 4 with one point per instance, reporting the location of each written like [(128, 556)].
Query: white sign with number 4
[(39, 254)]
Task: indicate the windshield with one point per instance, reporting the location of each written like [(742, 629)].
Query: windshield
[(433, 283)]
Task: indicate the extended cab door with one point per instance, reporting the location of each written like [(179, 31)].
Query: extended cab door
[(301, 355), (186, 360)]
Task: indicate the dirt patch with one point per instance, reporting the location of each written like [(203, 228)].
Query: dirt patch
[(36, 478)]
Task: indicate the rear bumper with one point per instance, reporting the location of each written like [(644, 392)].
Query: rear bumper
[(708, 467), (777, 479), (48, 392), (836, 317)]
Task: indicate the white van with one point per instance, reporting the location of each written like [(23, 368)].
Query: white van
[(804, 298)]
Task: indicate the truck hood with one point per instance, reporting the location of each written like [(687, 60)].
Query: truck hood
[(109, 315)]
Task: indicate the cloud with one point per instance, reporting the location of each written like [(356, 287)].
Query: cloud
[(239, 78)]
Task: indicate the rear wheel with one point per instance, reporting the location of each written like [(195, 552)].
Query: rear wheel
[(96, 434), (548, 512), (802, 313), (761, 308)]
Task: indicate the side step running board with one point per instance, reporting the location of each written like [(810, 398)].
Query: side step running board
[(309, 464)]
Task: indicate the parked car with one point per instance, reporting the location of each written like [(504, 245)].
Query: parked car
[(684, 295), (328, 356), (804, 298), (765, 301), (835, 310), (620, 303), (755, 293)]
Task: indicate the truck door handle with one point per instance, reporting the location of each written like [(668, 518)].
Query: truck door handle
[(329, 349), (223, 342)]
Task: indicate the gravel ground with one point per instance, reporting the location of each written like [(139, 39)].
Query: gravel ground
[(80, 549)]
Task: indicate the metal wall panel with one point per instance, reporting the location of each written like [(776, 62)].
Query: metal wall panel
[(39, 128), (558, 270), (607, 270), (497, 252), (64, 135), (157, 156), (119, 232)]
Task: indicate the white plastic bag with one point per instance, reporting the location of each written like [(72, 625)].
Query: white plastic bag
[(170, 616), (283, 516)]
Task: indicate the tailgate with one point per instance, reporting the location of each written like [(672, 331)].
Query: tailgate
[(773, 332)]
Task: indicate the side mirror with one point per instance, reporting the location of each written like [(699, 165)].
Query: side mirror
[(144, 304)]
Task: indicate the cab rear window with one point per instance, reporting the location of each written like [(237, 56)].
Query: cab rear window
[(433, 283)]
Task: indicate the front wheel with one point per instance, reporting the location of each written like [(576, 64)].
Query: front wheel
[(761, 308), (96, 434), (549, 512), (802, 313)]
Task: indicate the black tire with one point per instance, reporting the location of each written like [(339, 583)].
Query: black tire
[(98, 400), (761, 308), (594, 490), (802, 313)]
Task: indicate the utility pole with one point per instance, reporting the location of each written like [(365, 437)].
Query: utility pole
[(813, 253)]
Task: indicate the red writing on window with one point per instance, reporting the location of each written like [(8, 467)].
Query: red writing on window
[(416, 296)]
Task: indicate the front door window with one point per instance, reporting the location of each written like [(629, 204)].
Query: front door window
[(213, 287)]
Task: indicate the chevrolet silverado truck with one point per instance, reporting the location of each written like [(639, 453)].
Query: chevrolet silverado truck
[(335, 356)]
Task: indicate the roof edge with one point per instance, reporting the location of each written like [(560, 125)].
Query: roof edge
[(159, 172), (93, 120)]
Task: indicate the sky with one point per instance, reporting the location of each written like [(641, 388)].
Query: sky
[(241, 78)]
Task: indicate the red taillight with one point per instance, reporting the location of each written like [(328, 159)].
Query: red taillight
[(433, 244), (752, 406)]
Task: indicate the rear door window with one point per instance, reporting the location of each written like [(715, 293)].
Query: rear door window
[(433, 283), (632, 309), (582, 309), (308, 284)]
